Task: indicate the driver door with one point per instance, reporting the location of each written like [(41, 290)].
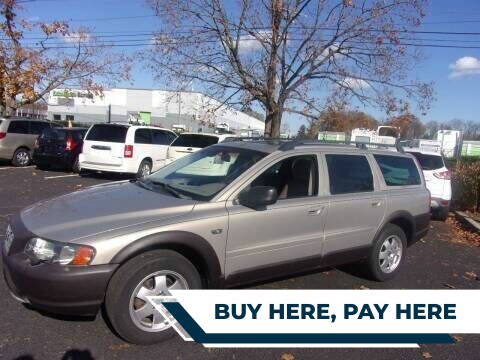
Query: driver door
[(292, 229)]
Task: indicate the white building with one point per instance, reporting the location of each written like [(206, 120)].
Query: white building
[(196, 111)]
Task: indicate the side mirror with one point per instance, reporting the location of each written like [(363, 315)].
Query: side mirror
[(258, 197)]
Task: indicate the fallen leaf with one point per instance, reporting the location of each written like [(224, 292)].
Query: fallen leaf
[(426, 355), (472, 275), (119, 347), (457, 338), (287, 356), (449, 286)]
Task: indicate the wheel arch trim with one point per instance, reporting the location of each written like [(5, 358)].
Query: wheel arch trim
[(194, 247)]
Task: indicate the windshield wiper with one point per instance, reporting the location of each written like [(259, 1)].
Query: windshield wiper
[(141, 183), (169, 189)]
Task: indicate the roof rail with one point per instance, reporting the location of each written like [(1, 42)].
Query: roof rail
[(290, 145)]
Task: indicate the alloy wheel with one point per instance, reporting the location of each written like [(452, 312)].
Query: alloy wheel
[(390, 254), (142, 312)]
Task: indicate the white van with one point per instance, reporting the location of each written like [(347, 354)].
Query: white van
[(124, 148), (188, 143)]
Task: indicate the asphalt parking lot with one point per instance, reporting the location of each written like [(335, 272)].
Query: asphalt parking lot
[(434, 263)]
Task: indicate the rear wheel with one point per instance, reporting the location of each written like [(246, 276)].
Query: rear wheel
[(441, 214), (76, 165), (144, 169), (388, 253), (149, 274), (21, 157)]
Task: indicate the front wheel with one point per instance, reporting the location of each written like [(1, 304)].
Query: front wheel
[(388, 253), (150, 274)]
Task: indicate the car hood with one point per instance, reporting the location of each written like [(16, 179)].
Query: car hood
[(99, 209)]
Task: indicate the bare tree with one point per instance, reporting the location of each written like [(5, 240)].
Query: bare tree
[(286, 54), (61, 56)]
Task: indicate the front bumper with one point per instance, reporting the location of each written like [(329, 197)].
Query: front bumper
[(69, 290)]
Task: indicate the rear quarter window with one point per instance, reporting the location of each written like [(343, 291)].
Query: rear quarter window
[(195, 141), (108, 133), (398, 171), (428, 161)]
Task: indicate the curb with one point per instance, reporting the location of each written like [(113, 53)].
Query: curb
[(463, 217)]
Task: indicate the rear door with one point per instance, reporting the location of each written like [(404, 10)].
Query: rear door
[(143, 145), (357, 204), (161, 141), (104, 144), (188, 143), (18, 135)]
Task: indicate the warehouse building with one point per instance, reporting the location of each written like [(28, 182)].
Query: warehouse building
[(191, 110)]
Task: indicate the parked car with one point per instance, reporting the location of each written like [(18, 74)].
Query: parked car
[(17, 139), (259, 210), (188, 143), (123, 148), (438, 180), (59, 147)]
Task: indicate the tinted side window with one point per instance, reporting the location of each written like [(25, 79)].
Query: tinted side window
[(293, 177), (349, 174), (143, 136), (37, 127), (429, 162), (398, 171), (18, 127), (195, 141), (160, 137)]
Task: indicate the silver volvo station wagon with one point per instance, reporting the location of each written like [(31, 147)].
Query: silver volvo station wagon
[(231, 214)]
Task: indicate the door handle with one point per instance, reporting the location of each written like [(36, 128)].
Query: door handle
[(376, 203), (315, 211)]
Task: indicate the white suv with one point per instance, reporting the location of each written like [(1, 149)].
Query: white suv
[(188, 143), (123, 148), (437, 178)]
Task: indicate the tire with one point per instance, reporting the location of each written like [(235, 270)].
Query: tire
[(21, 157), (76, 165), (441, 214), (144, 169), (377, 268), (136, 274)]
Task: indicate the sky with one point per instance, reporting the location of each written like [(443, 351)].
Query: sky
[(455, 72)]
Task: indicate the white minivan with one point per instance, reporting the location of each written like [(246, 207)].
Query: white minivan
[(437, 179), (124, 148), (188, 143)]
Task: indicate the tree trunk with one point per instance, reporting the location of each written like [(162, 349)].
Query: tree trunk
[(272, 124)]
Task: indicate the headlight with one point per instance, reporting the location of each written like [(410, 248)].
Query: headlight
[(40, 250)]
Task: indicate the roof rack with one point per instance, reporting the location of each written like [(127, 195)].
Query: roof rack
[(290, 145)]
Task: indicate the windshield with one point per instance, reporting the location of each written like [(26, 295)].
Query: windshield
[(195, 141), (108, 133), (203, 174), (429, 162)]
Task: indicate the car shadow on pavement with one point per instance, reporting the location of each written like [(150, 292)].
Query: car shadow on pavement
[(72, 318), (106, 176), (72, 354)]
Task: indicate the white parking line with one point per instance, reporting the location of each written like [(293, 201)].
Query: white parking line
[(15, 167), (59, 176)]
